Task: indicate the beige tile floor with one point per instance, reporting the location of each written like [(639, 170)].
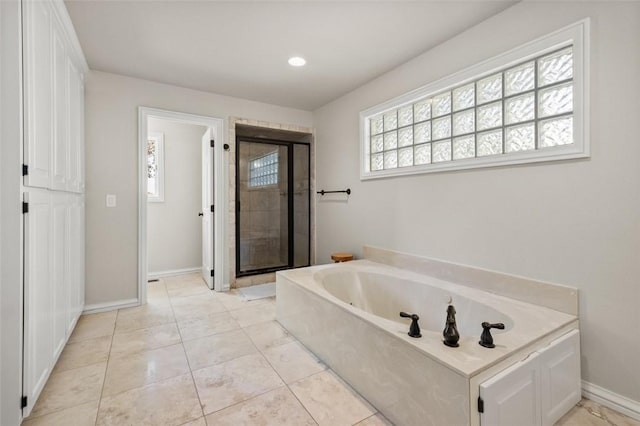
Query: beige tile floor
[(194, 357)]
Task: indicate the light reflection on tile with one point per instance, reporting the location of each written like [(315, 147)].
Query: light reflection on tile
[(143, 368)]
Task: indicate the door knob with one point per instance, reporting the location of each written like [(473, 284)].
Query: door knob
[(200, 214)]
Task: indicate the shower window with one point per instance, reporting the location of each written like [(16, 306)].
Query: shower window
[(263, 171), (526, 105)]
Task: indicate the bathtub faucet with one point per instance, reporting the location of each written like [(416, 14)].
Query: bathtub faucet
[(414, 329)]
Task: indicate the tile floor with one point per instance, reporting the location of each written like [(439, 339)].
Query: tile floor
[(194, 357)]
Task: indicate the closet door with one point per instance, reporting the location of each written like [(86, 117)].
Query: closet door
[(59, 272), (60, 147), (38, 324), (38, 92)]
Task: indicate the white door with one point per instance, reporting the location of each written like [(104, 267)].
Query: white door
[(207, 207), (38, 324), (512, 396)]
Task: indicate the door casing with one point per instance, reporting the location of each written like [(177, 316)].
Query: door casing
[(221, 280)]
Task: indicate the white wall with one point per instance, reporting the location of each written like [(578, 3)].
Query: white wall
[(112, 103), (174, 229), (574, 222)]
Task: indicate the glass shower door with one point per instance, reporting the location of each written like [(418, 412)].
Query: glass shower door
[(263, 208)]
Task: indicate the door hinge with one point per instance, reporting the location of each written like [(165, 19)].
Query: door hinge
[(213, 273), (480, 405), (213, 143), (25, 169), (25, 207), (212, 208), (23, 401)]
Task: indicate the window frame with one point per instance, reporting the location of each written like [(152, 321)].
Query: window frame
[(576, 35), (158, 137)]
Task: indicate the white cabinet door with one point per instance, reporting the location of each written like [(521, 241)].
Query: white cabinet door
[(38, 92), (60, 147), (38, 325), (560, 377), (59, 273), (512, 396), (76, 115)]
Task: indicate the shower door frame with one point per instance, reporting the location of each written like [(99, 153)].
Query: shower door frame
[(290, 213)]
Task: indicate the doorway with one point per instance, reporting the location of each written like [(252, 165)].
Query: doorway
[(214, 174), (272, 201)]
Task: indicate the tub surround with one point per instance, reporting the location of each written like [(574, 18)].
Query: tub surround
[(415, 381), (553, 296), (526, 323)]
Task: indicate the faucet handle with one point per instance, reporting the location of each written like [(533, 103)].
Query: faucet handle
[(486, 339), (414, 329)]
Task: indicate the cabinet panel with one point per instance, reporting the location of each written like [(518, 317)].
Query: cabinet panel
[(512, 396), (76, 256), (60, 147), (59, 273), (75, 152), (38, 325), (560, 377), (38, 92)]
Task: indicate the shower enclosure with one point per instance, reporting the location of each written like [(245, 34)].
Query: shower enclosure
[(272, 201)]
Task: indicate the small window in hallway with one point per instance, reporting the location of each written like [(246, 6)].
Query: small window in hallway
[(523, 106), (155, 167)]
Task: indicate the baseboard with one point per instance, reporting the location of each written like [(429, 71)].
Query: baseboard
[(110, 306), (173, 272), (611, 400)]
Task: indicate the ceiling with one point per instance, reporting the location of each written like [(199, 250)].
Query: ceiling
[(241, 48)]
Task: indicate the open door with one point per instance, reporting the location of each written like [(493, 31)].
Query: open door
[(207, 212)]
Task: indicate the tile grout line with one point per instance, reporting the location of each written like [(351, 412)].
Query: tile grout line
[(283, 381), (106, 368), (184, 350)]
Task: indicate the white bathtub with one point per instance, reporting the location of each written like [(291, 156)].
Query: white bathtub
[(348, 315)]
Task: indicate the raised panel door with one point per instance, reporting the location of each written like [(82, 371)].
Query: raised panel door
[(38, 92), (38, 325), (60, 147), (512, 396), (560, 377)]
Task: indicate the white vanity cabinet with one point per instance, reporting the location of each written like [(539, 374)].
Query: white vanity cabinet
[(536, 391), (53, 187)]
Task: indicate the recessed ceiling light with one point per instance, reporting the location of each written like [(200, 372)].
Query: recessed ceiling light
[(297, 61)]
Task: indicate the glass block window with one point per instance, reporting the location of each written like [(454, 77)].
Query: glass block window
[(263, 171), (526, 107)]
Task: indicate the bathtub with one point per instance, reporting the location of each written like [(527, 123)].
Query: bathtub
[(347, 314)]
